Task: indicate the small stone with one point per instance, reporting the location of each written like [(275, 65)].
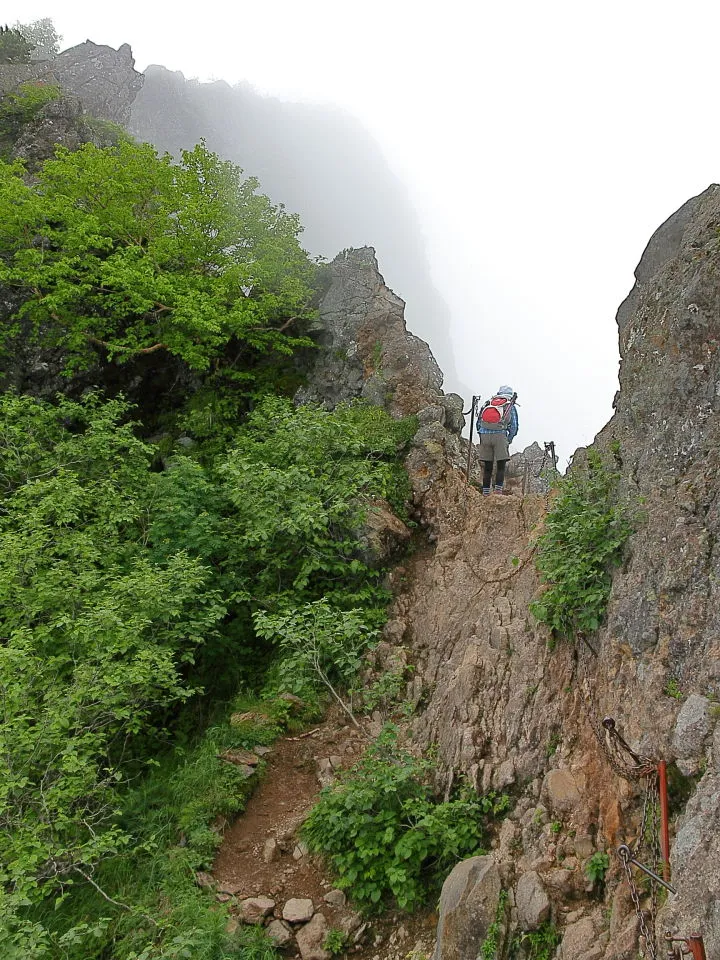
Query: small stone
[(271, 850), (233, 888), (223, 897), (577, 938), (255, 909), (350, 923), (692, 727), (335, 762), (360, 933), (301, 850), (336, 898), (311, 937), (205, 880), (298, 910), (262, 751), (232, 925), (562, 791), (584, 846), (240, 758), (280, 933)]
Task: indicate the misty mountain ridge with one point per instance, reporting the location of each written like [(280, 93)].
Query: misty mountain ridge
[(319, 162)]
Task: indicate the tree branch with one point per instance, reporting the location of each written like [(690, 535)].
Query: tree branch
[(137, 350), (115, 903)]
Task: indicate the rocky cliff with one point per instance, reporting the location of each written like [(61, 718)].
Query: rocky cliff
[(508, 712)]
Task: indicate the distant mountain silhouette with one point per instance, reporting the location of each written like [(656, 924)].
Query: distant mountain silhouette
[(321, 163)]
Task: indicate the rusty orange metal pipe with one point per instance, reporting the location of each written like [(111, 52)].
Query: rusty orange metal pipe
[(664, 818), (697, 947)]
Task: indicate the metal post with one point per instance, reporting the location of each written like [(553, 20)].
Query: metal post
[(697, 947), (664, 818), (472, 425)]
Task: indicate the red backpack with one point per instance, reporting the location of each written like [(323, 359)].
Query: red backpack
[(495, 412)]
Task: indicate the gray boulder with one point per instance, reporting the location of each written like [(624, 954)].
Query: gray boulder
[(311, 937), (533, 904), (691, 728), (468, 905)]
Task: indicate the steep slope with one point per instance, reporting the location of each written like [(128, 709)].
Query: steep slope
[(507, 712)]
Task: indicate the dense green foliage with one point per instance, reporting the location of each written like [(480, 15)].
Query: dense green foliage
[(584, 535), (121, 250), (14, 47), (384, 834), (127, 597), (157, 598)]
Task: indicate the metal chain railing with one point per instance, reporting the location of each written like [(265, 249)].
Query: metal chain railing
[(632, 766)]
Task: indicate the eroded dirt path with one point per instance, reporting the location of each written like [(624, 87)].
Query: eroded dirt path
[(262, 855)]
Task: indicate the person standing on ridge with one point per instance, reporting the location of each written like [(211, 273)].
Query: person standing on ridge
[(497, 424)]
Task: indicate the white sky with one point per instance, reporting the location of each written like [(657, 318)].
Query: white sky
[(541, 142)]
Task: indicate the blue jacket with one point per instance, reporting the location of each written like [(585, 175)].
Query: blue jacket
[(510, 430)]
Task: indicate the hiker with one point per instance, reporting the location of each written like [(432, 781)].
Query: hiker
[(497, 424)]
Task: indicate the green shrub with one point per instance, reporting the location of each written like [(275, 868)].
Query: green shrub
[(539, 944), (123, 251), (19, 107), (335, 942), (672, 689), (583, 539), (320, 646), (384, 835), (124, 592), (597, 866)]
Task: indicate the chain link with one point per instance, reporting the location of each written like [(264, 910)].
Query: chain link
[(592, 714), (644, 931), (641, 768)]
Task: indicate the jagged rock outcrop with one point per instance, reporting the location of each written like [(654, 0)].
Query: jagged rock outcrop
[(531, 470), (365, 351), (103, 79), (663, 631), (60, 123)]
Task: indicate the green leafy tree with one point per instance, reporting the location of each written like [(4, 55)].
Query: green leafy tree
[(95, 638), (42, 35), (121, 250), (14, 47), (123, 592)]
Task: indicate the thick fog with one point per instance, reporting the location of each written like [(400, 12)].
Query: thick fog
[(523, 155), (321, 163)]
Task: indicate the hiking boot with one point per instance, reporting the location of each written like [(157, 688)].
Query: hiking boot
[(498, 489), (486, 491)]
